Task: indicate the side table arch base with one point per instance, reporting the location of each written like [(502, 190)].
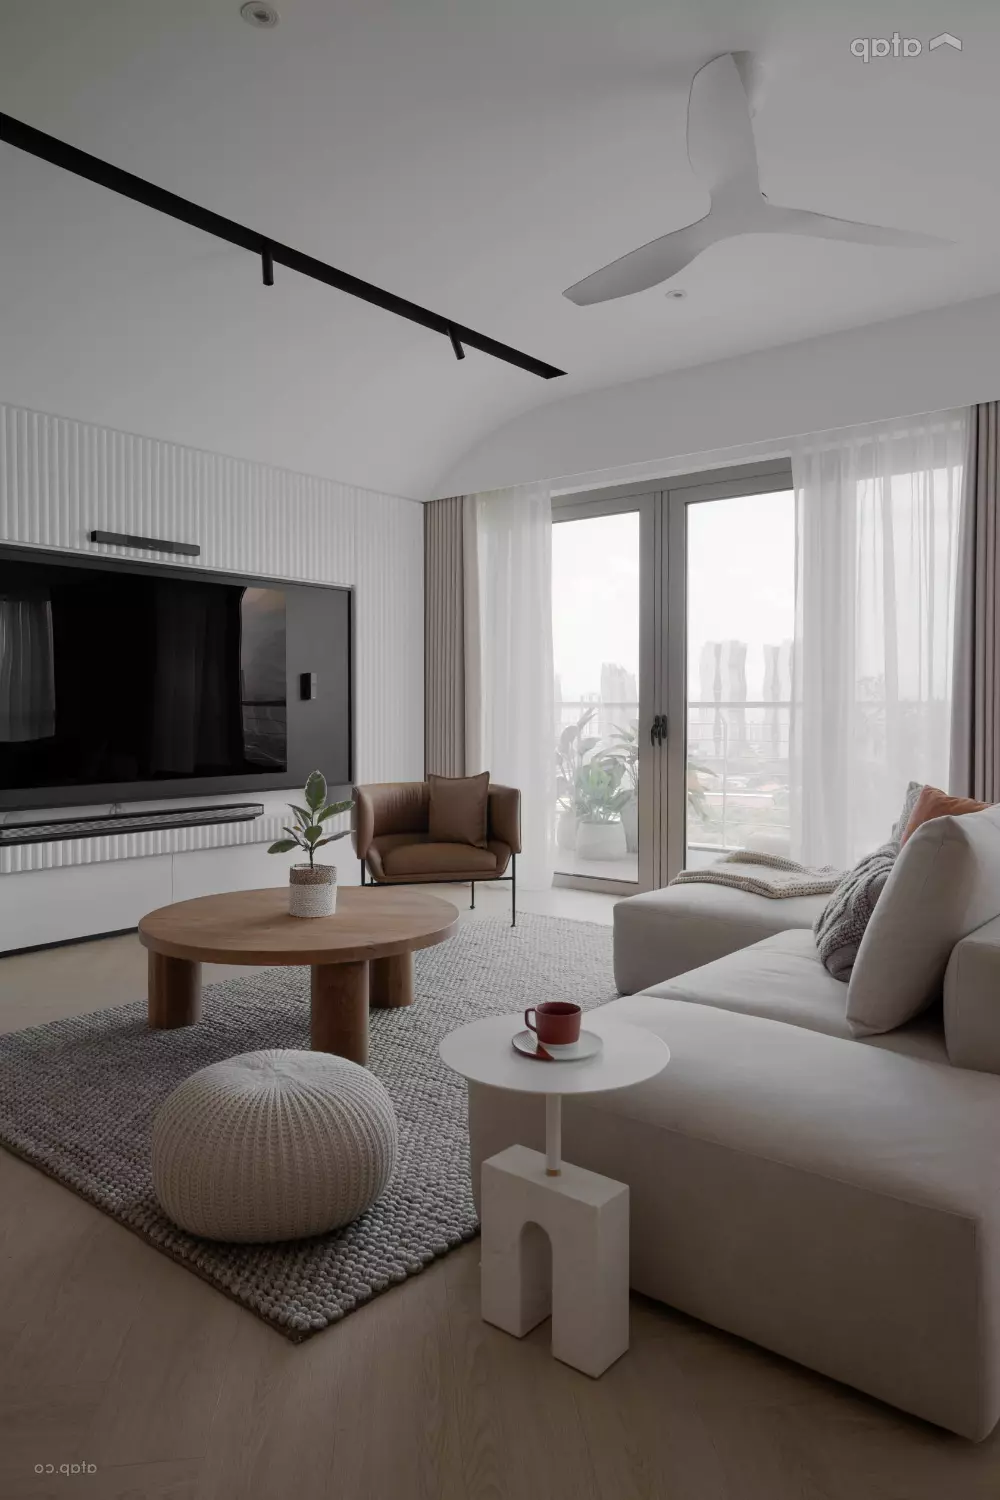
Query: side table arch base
[(585, 1217)]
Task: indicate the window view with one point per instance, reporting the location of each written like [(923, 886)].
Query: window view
[(741, 616), (595, 620)]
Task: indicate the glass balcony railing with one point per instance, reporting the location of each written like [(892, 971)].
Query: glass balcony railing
[(737, 780)]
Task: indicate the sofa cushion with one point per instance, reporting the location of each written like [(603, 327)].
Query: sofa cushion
[(972, 1000), (846, 915), (780, 977), (783, 979), (660, 934), (458, 809), (944, 884)]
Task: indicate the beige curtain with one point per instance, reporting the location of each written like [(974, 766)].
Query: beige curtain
[(975, 735), (444, 638)]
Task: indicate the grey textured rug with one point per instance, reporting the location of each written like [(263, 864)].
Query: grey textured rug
[(77, 1099)]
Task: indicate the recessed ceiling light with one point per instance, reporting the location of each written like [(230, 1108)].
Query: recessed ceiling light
[(676, 295), (259, 13)]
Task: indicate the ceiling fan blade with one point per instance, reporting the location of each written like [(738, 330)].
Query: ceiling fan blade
[(721, 147), (825, 227), (645, 267)]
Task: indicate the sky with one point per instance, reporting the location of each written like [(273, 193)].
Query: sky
[(741, 586)]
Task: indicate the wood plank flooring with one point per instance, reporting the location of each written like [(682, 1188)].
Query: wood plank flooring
[(113, 1356)]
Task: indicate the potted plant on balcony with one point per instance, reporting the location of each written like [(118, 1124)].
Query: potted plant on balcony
[(624, 752), (573, 745), (312, 890), (598, 801)]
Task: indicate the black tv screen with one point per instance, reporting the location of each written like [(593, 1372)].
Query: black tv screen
[(122, 680)]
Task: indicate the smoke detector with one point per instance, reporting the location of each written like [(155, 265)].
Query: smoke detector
[(259, 13)]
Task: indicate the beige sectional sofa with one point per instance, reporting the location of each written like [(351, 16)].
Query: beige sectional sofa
[(830, 1191)]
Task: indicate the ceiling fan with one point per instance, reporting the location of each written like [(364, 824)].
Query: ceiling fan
[(723, 156)]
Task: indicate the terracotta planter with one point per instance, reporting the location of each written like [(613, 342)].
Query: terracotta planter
[(312, 890)]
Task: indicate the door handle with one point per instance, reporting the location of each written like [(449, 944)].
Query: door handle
[(658, 730)]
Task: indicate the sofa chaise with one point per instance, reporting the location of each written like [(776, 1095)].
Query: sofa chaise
[(818, 1168)]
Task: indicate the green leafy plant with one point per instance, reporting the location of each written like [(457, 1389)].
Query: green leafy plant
[(572, 747), (598, 794), (624, 751), (310, 833)]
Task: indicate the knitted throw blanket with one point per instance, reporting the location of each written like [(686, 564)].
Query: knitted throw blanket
[(764, 875)]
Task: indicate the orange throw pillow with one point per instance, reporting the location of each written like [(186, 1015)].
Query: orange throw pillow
[(933, 803)]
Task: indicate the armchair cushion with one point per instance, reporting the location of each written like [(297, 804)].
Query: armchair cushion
[(388, 807), (414, 856), (428, 857), (457, 811)]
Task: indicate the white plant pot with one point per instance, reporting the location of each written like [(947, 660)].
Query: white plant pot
[(566, 830), (600, 840), (630, 824), (312, 891)]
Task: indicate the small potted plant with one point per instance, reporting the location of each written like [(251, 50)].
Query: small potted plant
[(312, 888)]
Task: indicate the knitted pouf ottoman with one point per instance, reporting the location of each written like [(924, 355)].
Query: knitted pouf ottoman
[(273, 1146)]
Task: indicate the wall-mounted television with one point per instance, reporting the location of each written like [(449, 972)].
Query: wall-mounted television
[(123, 681)]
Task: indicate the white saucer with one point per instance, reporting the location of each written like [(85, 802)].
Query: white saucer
[(528, 1045)]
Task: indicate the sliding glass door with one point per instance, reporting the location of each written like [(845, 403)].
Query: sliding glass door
[(601, 589), (730, 622), (673, 619)]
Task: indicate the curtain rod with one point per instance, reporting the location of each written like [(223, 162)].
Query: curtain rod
[(271, 252)]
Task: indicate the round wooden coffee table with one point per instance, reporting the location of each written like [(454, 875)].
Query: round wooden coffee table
[(365, 949)]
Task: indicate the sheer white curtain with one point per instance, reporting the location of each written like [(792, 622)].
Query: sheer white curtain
[(877, 513), (509, 685)]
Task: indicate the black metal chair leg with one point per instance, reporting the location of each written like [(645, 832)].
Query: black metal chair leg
[(362, 872), (472, 903), (513, 890)]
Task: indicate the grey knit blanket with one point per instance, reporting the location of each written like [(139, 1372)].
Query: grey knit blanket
[(764, 875)]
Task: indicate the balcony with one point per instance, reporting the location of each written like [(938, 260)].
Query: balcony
[(737, 792)]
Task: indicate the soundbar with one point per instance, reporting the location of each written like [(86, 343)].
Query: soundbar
[(146, 543), (145, 822)]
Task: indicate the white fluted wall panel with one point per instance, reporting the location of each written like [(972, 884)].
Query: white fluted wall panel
[(61, 479)]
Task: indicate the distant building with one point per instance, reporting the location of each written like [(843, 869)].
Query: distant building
[(619, 698), (722, 672)]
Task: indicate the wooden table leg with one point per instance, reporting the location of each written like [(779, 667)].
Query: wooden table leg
[(174, 991), (392, 981), (338, 1020)]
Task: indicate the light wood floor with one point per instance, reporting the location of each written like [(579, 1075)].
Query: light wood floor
[(112, 1355)]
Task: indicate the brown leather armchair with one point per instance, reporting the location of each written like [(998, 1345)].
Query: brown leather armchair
[(394, 847)]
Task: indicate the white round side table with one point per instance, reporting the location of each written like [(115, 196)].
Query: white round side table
[(531, 1201)]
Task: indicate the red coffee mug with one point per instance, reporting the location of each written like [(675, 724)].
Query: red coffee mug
[(556, 1022)]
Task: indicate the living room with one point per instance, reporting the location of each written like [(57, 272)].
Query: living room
[(498, 752)]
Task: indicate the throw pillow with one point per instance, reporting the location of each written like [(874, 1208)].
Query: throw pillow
[(909, 803), (841, 925), (945, 883), (933, 803), (457, 813)]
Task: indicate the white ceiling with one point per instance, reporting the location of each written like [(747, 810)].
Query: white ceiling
[(477, 156)]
